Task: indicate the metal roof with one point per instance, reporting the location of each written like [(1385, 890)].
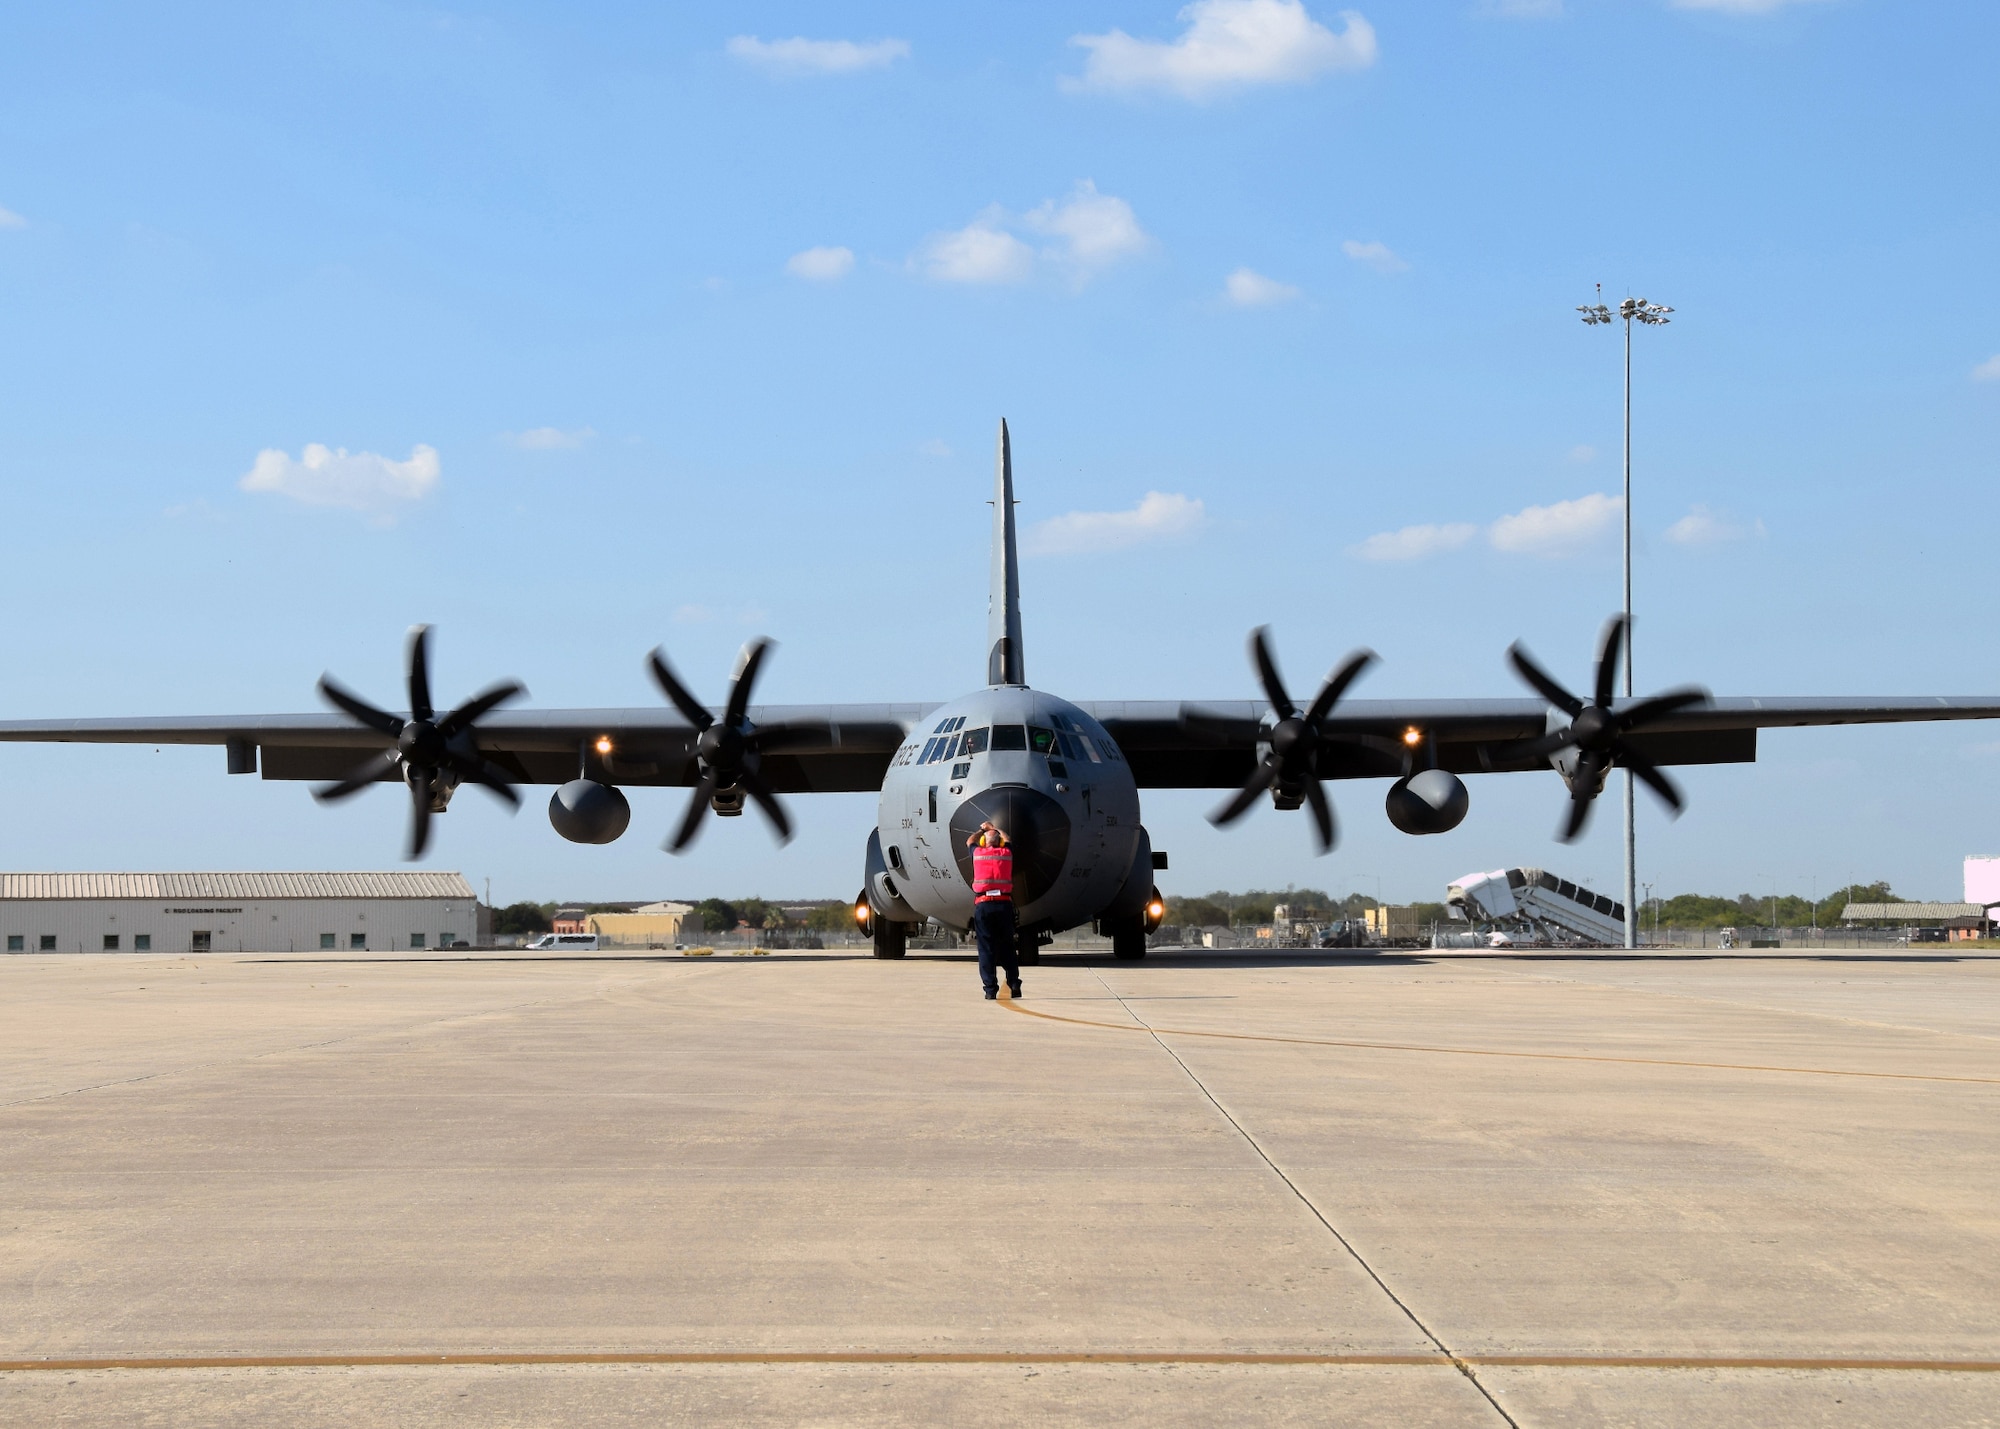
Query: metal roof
[(1913, 912), (248, 887)]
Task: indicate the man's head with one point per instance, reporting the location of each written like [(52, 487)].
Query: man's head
[(990, 835)]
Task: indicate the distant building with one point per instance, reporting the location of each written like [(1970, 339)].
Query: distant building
[(234, 912), (650, 925), (568, 920), (1962, 922)]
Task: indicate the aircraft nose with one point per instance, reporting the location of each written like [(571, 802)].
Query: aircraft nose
[(1037, 829)]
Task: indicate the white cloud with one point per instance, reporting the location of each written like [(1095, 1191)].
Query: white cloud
[(359, 481), (1091, 231), (1413, 543), (1583, 452), (1988, 371), (821, 265), (1561, 529), (692, 615), (1522, 9), (1702, 527), (980, 252), (802, 56), (1374, 255), (1159, 516), (1096, 229), (1227, 44), (548, 439), (1737, 7), (1249, 289), (11, 219), (933, 447)]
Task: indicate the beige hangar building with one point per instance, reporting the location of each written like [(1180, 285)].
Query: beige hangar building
[(234, 912)]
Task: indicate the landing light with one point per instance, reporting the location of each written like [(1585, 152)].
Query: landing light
[(603, 744), (1413, 736)]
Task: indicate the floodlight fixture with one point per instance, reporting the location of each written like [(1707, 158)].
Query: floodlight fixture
[(1595, 314)]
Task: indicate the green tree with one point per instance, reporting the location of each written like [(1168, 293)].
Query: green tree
[(521, 919), (1196, 913), (832, 918), (717, 916)]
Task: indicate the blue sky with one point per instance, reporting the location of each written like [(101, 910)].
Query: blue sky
[(642, 324)]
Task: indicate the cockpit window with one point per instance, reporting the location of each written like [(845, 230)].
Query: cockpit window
[(942, 725), (974, 742), (1041, 740), (1010, 736), (1068, 746)]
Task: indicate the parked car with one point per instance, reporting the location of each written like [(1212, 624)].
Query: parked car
[(568, 942)]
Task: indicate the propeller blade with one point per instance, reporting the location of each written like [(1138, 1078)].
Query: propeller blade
[(1646, 711), (1607, 658), (479, 706), (1267, 671), (1239, 804), (369, 771), (357, 708), (1337, 683), (419, 663), (420, 813), (768, 738), (1322, 812), (690, 707), (758, 790), (691, 820), (1650, 775), (1582, 794), (747, 666), (1543, 682), (1545, 746), (485, 775)]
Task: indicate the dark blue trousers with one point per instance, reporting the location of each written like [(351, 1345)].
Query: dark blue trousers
[(993, 923)]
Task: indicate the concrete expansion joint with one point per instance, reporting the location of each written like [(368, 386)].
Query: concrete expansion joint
[(1465, 1369)]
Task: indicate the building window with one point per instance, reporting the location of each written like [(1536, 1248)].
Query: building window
[(142, 942), (357, 940), (199, 942), (16, 943), (48, 942), (416, 940), (110, 942), (445, 940), (326, 940)]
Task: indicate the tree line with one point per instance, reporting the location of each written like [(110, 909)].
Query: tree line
[(717, 915)]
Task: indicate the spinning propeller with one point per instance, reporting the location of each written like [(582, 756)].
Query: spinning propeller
[(1597, 732), (433, 754), (1289, 767), (730, 748)]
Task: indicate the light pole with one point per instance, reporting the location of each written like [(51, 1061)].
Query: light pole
[(1653, 315)]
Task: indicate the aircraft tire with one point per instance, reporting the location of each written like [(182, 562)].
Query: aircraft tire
[(1129, 945), (1027, 948), (892, 939)]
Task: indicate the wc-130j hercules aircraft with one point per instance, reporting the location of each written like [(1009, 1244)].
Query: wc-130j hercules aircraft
[(1062, 779)]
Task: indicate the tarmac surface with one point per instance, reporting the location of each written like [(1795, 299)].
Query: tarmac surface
[(1425, 1189)]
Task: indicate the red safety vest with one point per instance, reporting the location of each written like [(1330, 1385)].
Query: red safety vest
[(992, 874)]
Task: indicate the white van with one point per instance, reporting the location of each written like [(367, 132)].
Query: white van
[(568, 942)]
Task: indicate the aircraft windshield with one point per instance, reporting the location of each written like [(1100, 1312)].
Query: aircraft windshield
[(1010, 736), (975, 742), (1041, 740)]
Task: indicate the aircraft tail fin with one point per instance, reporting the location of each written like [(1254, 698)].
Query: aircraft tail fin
[(1003, 604)]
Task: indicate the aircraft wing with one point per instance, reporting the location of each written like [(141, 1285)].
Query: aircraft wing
[(648, 746), (1213, 745)]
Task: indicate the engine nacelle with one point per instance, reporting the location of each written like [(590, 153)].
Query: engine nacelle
[(587, 812), (1432, 802)]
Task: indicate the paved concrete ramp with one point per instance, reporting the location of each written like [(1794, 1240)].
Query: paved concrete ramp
[(1480, 1190)]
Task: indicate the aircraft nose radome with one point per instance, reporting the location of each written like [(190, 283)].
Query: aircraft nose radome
[(1036, 826)]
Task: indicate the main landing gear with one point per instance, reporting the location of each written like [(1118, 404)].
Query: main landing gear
[(892, 939)]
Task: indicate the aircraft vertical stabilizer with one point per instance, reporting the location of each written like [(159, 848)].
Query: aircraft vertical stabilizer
[(1003, 604)]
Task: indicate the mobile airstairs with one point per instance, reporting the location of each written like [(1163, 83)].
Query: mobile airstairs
[(1517, 905)]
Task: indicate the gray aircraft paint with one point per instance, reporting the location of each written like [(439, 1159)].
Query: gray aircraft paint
[(1004, 663)]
